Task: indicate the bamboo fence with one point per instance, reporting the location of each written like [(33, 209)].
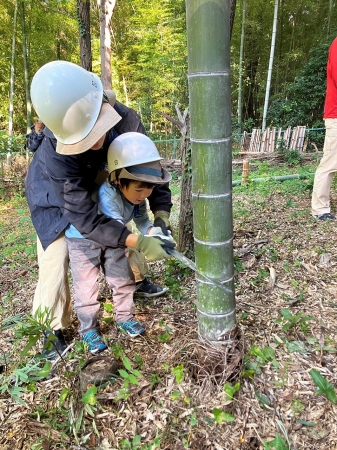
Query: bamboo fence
[(272, 139)]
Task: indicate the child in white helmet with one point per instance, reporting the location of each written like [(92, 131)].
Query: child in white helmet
[(135, 170)]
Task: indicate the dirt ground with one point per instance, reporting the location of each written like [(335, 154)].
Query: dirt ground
[(285, 261)]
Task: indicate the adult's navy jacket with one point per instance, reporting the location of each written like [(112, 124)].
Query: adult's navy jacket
[(59, 188)]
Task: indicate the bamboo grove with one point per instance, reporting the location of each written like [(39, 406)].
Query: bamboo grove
[(149, 56)]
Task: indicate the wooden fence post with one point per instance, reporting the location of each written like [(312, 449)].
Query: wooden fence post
[(245, 171)]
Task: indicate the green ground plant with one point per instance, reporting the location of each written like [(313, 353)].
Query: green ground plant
[(290, 321), (324, 387)]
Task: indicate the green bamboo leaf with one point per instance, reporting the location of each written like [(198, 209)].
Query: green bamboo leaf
[(79, 419), (89, 410), (32, 340), (262, 398), (318, 379), (324, 387), (306, 423), (331, 395)]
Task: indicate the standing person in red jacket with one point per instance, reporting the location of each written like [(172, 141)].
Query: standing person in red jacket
[(320, 202)]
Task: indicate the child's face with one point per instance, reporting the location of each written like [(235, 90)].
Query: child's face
[(134, 193)]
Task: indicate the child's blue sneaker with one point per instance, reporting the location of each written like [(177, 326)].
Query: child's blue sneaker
[(132, 327), (94, 342)]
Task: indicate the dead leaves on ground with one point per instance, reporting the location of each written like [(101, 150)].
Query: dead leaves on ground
[(285, 261)]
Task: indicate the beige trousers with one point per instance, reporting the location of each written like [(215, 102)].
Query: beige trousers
[(320, 201), (52, 290)]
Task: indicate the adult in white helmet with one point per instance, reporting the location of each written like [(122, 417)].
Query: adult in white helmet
[(70, 109), (63, 175), (134, 163)]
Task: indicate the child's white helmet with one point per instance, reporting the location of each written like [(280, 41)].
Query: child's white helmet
[(131, 149), (68, 99), (137, 155)]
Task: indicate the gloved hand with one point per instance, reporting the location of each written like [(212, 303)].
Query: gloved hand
[(157, 231), (153, 247), (162, 220)]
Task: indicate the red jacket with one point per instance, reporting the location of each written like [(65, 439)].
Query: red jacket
[(330, 107)]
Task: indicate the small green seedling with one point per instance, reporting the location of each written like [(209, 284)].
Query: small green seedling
[(130, 376), (230, 390), (293, 320), (278, 443), (178, 371), (221, 416), (324, 387)]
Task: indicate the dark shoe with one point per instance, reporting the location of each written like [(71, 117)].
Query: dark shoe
[(94, 342), (132, 327), (325, 216), (54, 345), (147, 289)]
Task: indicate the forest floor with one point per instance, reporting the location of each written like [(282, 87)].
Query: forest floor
[(286, 287)]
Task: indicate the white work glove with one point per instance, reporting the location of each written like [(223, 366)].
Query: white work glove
[(157, 231)]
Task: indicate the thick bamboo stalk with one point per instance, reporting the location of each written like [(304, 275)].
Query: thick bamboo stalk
[(208, 39)]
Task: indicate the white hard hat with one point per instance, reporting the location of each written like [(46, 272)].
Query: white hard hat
[(131, 149), (138, 158), (68, 99)]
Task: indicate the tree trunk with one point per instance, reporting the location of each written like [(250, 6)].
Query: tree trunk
[(241, 60), (185, 238), (106, 10), (270, 68), (11, 92), (329, 18), (210, 114), (26, 70), (85, 36), (232, 16)]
